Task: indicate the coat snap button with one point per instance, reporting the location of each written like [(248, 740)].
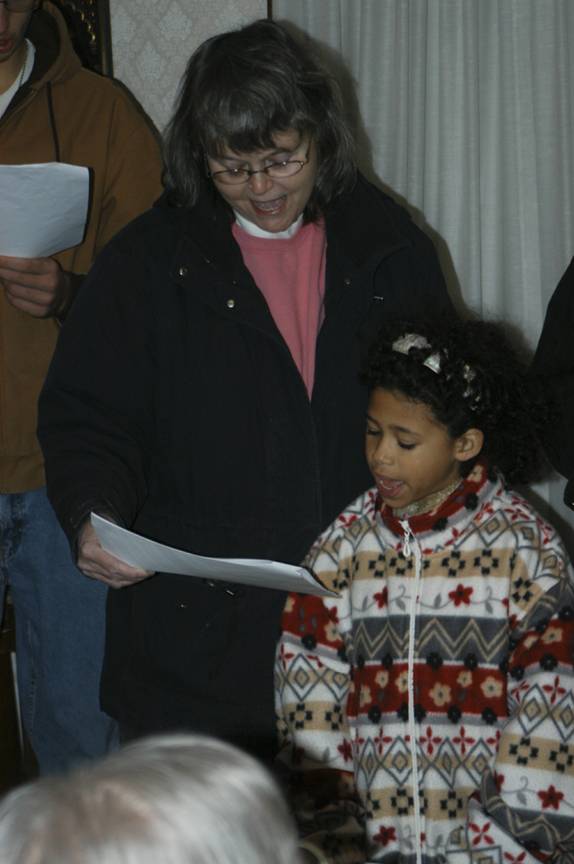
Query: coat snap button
[(182, 271), (231, 303), (347, 280)]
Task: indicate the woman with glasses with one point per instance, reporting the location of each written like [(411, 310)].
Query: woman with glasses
[(205, 390)]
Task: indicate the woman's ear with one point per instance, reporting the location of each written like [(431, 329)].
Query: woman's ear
[(468, 445)]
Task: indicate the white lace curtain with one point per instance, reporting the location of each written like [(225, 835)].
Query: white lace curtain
[(467, 109)]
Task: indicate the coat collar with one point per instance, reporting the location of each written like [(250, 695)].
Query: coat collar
[(355, 244), (349, 226), (218, 275), (207, 226), (469, 502)]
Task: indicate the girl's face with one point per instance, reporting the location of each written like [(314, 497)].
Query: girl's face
[(411, 455), (270, 203)]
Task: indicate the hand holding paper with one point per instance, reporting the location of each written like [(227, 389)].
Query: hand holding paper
[(43, 210), (37, 286), (99, 564)]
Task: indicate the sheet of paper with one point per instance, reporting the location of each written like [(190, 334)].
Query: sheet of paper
[(142, 552), (43, 208)]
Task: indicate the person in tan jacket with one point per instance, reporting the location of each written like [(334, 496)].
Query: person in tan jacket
[(54, 110)]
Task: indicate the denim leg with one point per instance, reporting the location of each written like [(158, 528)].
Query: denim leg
[(60, 631)]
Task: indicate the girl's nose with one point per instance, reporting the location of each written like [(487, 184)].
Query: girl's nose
[(383, 453)]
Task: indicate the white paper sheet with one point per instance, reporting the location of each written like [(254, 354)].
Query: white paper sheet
[(142, 552), (43, 208)]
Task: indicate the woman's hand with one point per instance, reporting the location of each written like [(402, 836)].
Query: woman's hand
[(98, 564)]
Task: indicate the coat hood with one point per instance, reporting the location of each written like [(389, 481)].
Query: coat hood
[(56, 59)]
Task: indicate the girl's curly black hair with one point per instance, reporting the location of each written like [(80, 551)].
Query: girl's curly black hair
[(482, 384)]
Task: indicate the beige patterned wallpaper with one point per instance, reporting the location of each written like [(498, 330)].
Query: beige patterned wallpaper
[(153, 39)]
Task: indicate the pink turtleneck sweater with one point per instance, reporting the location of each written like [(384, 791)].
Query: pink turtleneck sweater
[(290, 273)]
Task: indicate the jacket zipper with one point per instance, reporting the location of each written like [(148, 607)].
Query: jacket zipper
[(410, 546)]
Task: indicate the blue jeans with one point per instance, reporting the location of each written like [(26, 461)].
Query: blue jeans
[(60, 630)]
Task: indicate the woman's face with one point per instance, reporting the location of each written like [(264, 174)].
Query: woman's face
[(270, 203)]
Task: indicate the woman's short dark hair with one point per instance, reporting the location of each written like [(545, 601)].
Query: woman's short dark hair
[(239, 90), (482, 383)]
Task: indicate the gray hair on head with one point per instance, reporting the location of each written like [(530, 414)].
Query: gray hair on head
[(240, 89), (170, 799)]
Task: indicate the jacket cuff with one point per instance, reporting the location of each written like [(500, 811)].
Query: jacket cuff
[(82, 515)]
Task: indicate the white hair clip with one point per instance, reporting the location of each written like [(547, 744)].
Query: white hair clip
[(414, 340), (469, 394)]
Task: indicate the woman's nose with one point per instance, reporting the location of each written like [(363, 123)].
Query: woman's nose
[(259, 182)]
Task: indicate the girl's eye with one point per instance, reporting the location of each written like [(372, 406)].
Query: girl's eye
[(371, 431), (406, 446)]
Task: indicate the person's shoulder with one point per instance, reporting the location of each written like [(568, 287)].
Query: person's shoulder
[(506, 500), (385, 210), (360, 513), (103, 95), (78, 79), (339, 542), (352, 523), (365, 194), (155, 231), (562, 300), (527, 527), (568, 277), (386, 203)]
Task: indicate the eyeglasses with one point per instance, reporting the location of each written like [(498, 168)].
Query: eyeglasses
[(18, 5), (275, 170)]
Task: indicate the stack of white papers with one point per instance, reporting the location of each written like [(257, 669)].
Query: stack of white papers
[(43, 208), (150, 555)]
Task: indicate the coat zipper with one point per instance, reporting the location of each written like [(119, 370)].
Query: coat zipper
[(410, 546)]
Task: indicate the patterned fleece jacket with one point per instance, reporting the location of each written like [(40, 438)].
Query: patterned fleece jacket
[(427, 711)]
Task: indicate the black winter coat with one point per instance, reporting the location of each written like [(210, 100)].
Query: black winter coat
[(174, 405), (553, 365)]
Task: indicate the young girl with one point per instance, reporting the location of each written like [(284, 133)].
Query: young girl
[(427, 711)]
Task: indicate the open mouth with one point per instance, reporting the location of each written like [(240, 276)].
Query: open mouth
[(268, 208), (389, 488)]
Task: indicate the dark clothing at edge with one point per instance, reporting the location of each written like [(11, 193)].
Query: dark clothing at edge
[(553, 365)]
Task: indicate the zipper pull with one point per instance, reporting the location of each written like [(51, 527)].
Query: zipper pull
[(407, 536)]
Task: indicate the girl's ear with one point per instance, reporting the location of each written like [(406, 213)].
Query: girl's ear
[(468, 445)]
